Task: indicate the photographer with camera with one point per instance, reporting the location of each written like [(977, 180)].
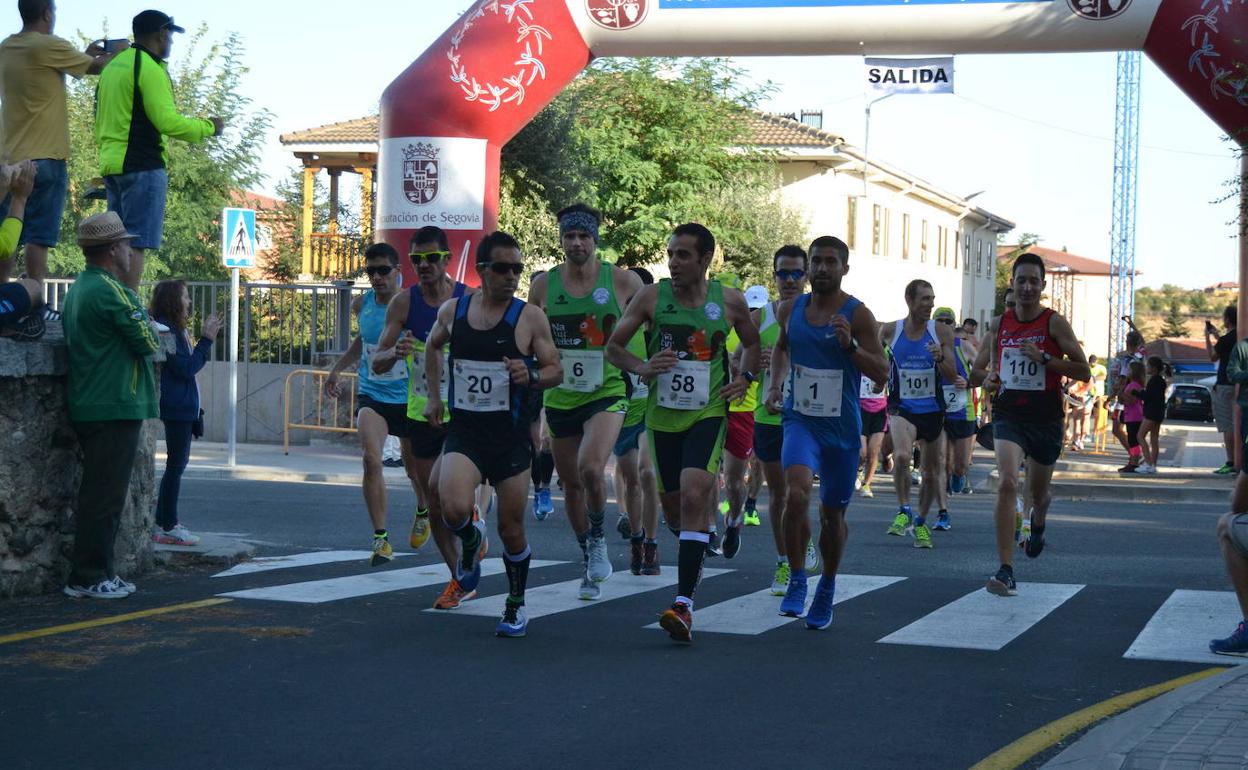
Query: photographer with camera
[(1219, 348)]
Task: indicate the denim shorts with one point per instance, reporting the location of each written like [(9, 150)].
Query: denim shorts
[(46, 205), (139, 199)]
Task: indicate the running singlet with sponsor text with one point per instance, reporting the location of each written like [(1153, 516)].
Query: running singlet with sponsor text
[(485, 406), (581, 327), (390, 387), (824, 383), (1030, 391), (689, 392), (420, 319), (915, 380)]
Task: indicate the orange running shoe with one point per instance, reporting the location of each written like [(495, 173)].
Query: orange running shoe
[(678, 622), (453, 596)]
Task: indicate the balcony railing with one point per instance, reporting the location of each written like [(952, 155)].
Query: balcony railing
[(335, 255)]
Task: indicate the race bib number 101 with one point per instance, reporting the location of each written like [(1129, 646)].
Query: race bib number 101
[(917, 384)]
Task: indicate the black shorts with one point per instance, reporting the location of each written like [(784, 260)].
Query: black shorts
[(959, 429), (1133, 434), (567, 423), (1155, 414), (535, 405), (1041, 441), (425, 439), (874, 422), (928, 427), (14, 303), (699, 447), (767, 441), (497, 461), (395, 415)]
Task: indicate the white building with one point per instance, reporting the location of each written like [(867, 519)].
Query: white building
[(1078, 288)]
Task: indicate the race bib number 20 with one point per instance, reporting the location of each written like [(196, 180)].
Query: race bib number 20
[(482, 386)]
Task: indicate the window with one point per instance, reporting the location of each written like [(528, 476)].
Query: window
[(957, 247), (941, 246), (979, 256), (876, 227), (923, 243), (888, 216), (905, 236), (851, 228), (966, 254)]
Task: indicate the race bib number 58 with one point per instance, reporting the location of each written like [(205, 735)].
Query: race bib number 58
[(686, 386)]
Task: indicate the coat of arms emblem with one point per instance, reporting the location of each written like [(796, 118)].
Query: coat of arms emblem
[(420, 173), (616, 14)]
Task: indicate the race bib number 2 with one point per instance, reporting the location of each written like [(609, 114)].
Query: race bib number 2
[(1018, 372), (482, 386), (955, 399), (686, 386)]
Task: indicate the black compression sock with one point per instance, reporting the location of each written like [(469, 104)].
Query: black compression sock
[(380, 533), (517, 566), (546, 463), (689, 566)]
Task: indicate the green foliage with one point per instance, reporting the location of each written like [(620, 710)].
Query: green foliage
[(1175, 323), (201, 177), (1197, 302)]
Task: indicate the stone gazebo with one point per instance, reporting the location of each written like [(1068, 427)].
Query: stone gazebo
[(351, 147)]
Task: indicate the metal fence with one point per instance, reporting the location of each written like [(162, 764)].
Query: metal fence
[(282, 323)]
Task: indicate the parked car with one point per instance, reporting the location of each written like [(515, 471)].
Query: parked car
[(1190, 402)]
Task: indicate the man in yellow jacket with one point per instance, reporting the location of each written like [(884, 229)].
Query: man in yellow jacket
[(135, 111)]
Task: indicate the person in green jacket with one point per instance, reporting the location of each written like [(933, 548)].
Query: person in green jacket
[(135, 111), (112, 389)]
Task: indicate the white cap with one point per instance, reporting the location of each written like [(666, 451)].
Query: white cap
[(756, 296)]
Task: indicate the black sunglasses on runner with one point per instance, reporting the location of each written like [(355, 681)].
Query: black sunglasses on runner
[(382, 270), (945, 321), (787, 275), (428, 256), (501, 268)]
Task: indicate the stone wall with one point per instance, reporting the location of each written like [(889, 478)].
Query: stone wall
[(40, 468)]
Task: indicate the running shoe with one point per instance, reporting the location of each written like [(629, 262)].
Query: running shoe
[(590, 591), (636, 557), (866, 491), (452, 596), (124, 585), (812, 557), (780, 583), (1024, 533), (915, 478), (1235, 644), (1128, 468), (420, 530), (514, 622), (752, 519), (650, 559), (1226, 469), (1146, 469), (1002, 583), (966, 490), (678, 622), (542, 504), (712, 545), (177, 535), (922, 536), (957, 482), (393, 462), (598, 565), (105, 589), (468, 570), (382, 552), (901, 522), (1035, 542), (943, 522), (723, 508), (858, 481), (623, 527), (794, 601), (819, 616), (732, 541)]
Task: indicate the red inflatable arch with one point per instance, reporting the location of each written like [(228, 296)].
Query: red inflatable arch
[(445, 119)]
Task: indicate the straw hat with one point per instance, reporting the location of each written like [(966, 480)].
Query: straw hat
[(102, 229)]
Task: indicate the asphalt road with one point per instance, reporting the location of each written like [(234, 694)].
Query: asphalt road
[(375, 679)]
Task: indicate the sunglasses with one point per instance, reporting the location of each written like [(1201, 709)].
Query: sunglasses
[(502, 268), (428, 256), (945, 321), (790, 275), (382, 270)]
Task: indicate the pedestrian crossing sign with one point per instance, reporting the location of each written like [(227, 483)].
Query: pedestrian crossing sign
[(238, 237)]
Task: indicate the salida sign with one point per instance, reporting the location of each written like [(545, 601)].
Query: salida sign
[(910, 76)]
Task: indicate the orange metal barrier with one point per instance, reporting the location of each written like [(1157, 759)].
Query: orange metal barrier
[(315, 378)]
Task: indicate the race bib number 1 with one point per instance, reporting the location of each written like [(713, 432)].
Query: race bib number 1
[(917, 384), (817, 392), (1018, 372), (582, 370), (397, 373), (482, 386), (686, 386)]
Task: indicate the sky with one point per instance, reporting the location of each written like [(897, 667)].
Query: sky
[(1034, 133)]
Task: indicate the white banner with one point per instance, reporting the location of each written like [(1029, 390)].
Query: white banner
[(431, 180), (909, 76)]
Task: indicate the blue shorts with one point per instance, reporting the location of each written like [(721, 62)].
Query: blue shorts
[(836, 467), (139, 199), (629, 438), (44, 208)]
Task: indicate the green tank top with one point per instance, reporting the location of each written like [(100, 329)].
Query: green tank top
[(417, 395), (581, 326), (769, 335), (690, 392), (640, 395)]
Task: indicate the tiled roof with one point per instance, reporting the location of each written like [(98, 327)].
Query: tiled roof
[(1054, 259), (1179, 349), (361, 130)]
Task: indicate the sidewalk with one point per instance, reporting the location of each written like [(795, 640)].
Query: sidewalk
[(327, 463)]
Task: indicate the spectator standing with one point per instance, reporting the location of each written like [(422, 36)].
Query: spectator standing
[(18, 299), (1154, 413), (112, 389), (1220, 347), (1133, 414), (135, 111), (179, 401), (1097, 392), (1119, 374), (34, 122)]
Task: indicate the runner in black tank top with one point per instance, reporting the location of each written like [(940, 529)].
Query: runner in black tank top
[(500, 348)]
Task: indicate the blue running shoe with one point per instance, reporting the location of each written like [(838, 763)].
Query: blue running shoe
[(468, 570), (794, 601), (542, 505), (819, 616), (957, 483), (514, 622), (1235, 644), (943, 524)]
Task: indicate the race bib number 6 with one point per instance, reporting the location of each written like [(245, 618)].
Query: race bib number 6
[(482, 386), (1018, 372), (686, 386), (582, 370)]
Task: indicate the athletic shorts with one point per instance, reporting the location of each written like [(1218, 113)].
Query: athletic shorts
[(534, 406), (767, 442), (1041, 441), (14, 303), (927, 426), (740, 439), (1239, 533), (566, 423), (425, 439), (1133, 434), (959, 429), (395, 415), (629, 438), (497, 461), (835, 467), (874, 422), (699, 447)]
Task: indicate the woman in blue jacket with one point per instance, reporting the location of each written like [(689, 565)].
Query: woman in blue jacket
[(179, 401)]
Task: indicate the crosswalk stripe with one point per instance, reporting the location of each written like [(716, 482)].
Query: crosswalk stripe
[(982, 621), (758, 612), (312, 558), (1182, 627), (334, 589), (562, 597)]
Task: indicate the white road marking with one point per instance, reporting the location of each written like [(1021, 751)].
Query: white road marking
[(982, 621), (266, 563), (1183, 626)]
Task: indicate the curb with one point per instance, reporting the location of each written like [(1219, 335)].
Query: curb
[(284, 476), (212, 550)]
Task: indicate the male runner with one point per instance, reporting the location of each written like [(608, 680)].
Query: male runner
[(409, 318), (1031, 348), (739, 438), (959, 419), (922, 355), (819, 335), (499, 349), (582, 297), (381, 407), (690, 318)]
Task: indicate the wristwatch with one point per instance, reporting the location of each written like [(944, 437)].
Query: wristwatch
[(534, 376), (749, 377), (1045, 358), (852, 349)]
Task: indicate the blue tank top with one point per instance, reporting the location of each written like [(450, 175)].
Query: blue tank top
[(421, 315), (388, 388), (823, 382), (914, 378)]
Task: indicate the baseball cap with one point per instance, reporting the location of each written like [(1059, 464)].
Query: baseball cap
[(944, 311), (756, 296), (148, 22)]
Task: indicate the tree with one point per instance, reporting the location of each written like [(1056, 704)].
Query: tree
[(1175, 323), (202, 177), (1197, 302)]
